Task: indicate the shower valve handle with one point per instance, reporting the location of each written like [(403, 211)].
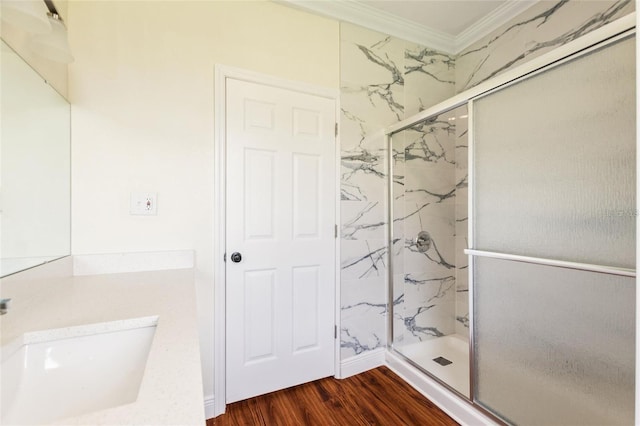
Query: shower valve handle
[(423, 241)]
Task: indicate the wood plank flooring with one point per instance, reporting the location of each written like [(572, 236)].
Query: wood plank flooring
[(376, 397)]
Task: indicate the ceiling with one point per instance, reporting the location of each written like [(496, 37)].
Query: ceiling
[(447, 25)]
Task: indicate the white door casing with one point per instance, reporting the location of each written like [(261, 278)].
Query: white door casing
[(280, 216)]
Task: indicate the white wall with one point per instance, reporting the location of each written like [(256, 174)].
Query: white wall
[(142, 99)]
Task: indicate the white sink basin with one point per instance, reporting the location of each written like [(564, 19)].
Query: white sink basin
[(49, 376)]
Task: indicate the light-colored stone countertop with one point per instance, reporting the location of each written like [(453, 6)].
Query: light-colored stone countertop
[(171, 388)]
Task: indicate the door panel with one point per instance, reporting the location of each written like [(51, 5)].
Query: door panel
[(305, 308), (280, 216), (259, 315), (306, 191), (259, 181)]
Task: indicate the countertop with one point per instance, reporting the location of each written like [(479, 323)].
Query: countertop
[(171, 388)]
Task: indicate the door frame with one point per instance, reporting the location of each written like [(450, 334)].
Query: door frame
[(222, 73)]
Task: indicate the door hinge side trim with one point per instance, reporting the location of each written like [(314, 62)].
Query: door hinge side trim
[(336, 130)]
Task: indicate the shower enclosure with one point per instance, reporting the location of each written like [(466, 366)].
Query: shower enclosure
[(429, 235), (512, 278)]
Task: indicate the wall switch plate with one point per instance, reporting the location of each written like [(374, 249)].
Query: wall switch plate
[(144, 203)]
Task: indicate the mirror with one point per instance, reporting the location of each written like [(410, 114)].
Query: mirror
[(35, 168)]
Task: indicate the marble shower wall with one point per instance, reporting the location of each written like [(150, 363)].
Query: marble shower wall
[(541, 28), (383, 80), (430, 285)]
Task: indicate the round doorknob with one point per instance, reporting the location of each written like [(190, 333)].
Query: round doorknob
[(236, 257)]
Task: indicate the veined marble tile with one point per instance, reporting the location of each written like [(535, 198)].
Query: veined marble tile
[(541, 28), (398, 188), (370, 58), (438, 219), (372, 97), (461, 228), (462, 157), (397, 255), (398, 142), (363, 259), (462, 140), (364, 170), (397, 152), (440, 255), (363, 315), (371, 80), (428, 263), (398, 320), (361, 183), (462, 263), (371, 107), (429, 305), (429, 78), (462, 204), (427, 288), (367, 109), (432, 141), (429, 203), (353, 129), (398, 217), (430, 183), (362, 220), (462, 312)]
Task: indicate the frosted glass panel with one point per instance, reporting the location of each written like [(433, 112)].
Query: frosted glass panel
[(555, 162), (553, 345)]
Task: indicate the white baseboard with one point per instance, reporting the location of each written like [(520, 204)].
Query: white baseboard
[(209, 407), (361, 363), (456, 407)]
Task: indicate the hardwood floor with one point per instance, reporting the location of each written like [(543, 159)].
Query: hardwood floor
[(376, 397)]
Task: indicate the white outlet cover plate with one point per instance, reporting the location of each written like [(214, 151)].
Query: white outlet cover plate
[(144, 203)]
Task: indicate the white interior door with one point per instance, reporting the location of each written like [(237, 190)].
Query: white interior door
[(280, 198)]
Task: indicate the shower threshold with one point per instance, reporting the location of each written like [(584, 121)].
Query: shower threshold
[(454, 348)]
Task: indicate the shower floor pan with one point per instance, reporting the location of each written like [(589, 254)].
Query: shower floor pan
[(454, 348)]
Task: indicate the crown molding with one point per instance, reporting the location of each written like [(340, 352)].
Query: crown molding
[(377, 20), (498, 17)]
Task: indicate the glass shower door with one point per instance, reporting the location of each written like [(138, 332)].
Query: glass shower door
[(429, 235), (554, 243)]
